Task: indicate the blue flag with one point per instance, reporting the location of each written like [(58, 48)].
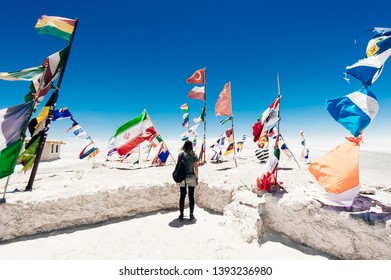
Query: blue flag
[(354, 111)]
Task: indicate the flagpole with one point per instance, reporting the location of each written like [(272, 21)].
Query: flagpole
[(2, 200), (204, 142), (232, 125), (29, 186), (161, 137), (278, 123)]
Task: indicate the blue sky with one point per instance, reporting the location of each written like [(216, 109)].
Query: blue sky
[(131, 55)]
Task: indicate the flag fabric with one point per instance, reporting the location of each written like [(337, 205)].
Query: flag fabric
[(184, 108), (61, 114), (263, 139), (133, 133), (27, 158), (305, 151), (198, 77), (354, 111), (90, 152), (8, 158), (268, 118), (201, 118), (197, 93), (191, 132), (380, 42), (111, 152), (225, 121), (284, 148), (56, 26), (338, 173), (77, 130), (161, 157), (185, 120), (267, 178), (230, 149), (262, 154), (239, 146), (201, 159), (223, 105), (12, 123), (368, 70), (28, 74)]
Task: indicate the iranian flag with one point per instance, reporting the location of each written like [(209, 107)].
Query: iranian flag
[(133, 133)]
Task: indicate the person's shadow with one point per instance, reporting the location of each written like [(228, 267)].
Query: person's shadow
[(176, 223)]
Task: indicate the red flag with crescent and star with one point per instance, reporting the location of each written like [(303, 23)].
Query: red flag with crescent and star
[(198, 77)]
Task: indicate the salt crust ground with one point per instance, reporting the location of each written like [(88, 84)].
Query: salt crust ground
[(69, 193)]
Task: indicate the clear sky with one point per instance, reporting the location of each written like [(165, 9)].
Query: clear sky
[(131, 55)]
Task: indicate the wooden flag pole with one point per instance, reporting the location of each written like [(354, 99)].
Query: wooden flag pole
[(29, 186)]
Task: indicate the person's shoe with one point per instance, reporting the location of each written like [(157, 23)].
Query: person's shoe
[(180, 217), (192, 218)]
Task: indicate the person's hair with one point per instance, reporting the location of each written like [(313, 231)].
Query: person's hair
[(188, 147)]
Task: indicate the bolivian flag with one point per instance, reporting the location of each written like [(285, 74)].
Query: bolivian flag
[(56, 26)]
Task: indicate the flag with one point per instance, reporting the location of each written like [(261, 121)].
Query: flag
[(111, 152), (354, 111), (198, 77), (380, 42), (262, 140), (191, 132), (90, 152), (201, 159), (223, 105), (184, 108), (284, 148), (368, 70), (262, 154), (185, 120), (61, 114), (268, 118), (267, 177), (229, 150), (197, 93), (225, 121), (27, 158), (56, 26), (12, 124), (28, 74), (38, 124), (78, 131), (239, 146), (201, 118), (133, 133), (305, 151), (162, 156), (8, 158), (338, 172)]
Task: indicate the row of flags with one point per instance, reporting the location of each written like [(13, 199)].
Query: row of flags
[(15, 120), (338, 170)]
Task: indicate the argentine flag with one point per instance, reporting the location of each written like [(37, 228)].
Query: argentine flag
[(354, 111)]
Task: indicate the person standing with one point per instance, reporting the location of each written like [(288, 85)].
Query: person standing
[(188, 185)]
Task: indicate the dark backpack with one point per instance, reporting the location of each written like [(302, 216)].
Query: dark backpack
[(179, 173)]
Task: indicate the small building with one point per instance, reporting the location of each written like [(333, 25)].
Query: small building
[(51, 150)]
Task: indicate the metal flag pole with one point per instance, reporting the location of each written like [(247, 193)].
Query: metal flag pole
[(29, 186), (232, 125), (278, 123), (204, 109)]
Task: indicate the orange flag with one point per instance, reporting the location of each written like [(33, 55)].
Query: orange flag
[(223, 105), (338, 172)]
